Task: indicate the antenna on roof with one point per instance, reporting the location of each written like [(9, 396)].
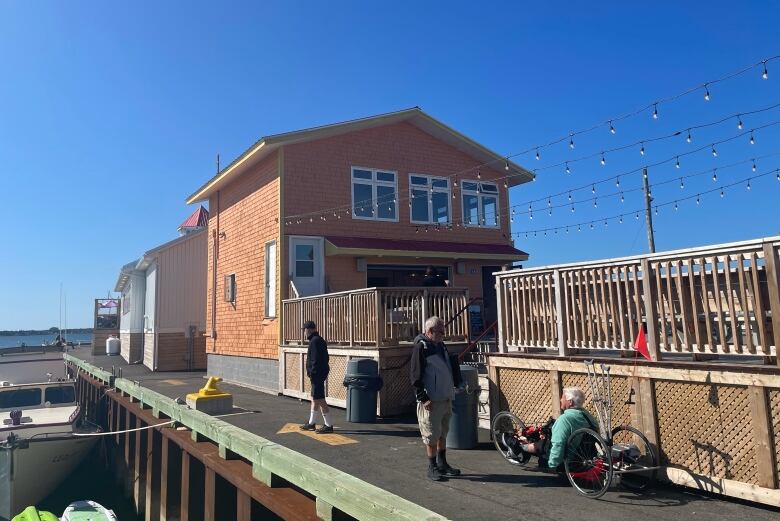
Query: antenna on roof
[(217, 163)]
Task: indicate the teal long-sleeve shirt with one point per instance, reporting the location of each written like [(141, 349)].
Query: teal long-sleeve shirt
[(568, 422)]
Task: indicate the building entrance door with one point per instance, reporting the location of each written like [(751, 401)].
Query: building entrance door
[(306, 270)]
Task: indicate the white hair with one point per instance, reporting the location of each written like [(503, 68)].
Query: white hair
[(574, 394), (431, 323)]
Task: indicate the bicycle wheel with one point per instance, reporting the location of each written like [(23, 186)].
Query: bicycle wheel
[(505, 428), (633, 458), (588, 463)]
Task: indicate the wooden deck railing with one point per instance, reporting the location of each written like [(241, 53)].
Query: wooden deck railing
[(376, 316), (714, 300)]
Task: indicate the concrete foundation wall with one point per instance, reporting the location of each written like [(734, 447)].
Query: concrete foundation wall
[(261, 373)]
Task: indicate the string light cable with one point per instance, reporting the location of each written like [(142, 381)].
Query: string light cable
[(637, 212), (571, 135)]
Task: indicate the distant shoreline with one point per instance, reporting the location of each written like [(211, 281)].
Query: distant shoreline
[(31, 332)]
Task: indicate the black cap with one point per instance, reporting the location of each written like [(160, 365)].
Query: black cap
[(309, 325)]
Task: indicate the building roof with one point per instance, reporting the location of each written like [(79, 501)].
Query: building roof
[(421, 248), (124, 275), (415, 116), (198, 219)]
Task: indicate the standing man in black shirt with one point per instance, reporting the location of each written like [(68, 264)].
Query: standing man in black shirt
[(317, 369)]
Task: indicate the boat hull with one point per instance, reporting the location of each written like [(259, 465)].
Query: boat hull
[(31, 470)]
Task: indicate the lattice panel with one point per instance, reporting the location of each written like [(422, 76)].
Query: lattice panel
[(774, 409), (292, 371), (397, 391), (338, 367), (707, 429), (306, 381), (621, 412), (528, 394)]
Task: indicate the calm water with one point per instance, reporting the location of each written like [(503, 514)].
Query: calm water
[(36, 340)]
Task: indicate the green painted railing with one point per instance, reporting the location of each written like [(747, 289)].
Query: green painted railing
[(332, 487)]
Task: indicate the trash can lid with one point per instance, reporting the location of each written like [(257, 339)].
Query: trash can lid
[(470, 375), (362, 366)]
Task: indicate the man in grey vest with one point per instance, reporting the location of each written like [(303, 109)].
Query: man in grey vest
[(434, 375)]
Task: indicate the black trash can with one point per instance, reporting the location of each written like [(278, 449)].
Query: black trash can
[(465, 421), (362, 381)]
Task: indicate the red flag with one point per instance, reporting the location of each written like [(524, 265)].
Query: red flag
[(641, 344)]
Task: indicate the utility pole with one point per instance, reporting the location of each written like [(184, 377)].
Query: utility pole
[(648, 211)]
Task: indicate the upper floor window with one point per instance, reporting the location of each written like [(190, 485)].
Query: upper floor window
[(429, 199), (374, 194), (480, 204)]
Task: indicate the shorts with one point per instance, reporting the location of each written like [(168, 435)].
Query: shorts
[(317, 389), (434, 424)]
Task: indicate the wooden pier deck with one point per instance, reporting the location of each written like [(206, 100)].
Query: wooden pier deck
[(389, 455)]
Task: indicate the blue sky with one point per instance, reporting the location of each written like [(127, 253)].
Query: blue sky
[(111, 115)]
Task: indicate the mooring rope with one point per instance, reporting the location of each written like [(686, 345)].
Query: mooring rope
[(111, 433)]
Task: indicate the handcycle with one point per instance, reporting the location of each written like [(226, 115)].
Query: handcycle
[(594, 457)]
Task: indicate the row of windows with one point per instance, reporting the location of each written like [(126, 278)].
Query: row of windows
[(375, 197), (31, 396)]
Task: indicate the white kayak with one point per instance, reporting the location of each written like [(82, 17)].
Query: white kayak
[(88, 511)]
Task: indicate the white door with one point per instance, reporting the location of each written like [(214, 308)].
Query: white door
[(306, 269)]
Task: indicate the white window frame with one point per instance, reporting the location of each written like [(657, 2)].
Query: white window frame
[(374, 183), (428, 191), (270, 280), (480, 203)]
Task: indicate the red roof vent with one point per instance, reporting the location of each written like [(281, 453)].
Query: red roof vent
[(199, 219)]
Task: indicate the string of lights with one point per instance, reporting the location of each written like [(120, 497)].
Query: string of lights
[(747, 182), (394, 198)]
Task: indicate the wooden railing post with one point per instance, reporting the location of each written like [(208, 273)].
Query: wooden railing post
[(351, 322), (501, 315), (424, 308), (380, 322), (762, 437), (773, 287), (651, 317), (561, 313)]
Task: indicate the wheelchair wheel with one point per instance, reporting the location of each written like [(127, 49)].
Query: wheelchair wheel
[(631, 453), (588, 463), (505, 427)]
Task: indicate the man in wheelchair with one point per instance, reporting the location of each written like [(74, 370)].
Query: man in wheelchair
[(552, 451)]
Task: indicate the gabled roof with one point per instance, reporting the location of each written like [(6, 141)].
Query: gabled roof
[(198, 219), (415, 116)]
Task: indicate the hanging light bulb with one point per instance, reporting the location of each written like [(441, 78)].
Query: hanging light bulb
[(778, 175), (568, 170), (479, 174), (765, 74), (622, 198), (754, 165), (675, 206), (338, 216), (655, 111), (682, 184), (593, 189), (722, 193), (748, 185), (595, 203), (637, 216), (689, 138), (739, 122), (567, 229), (512, 219), (538, 156), (453, 195), (506, 185), (656, 210), (417, 229), (569, 195), (706, 93), (506, 165), (579, 229), (612, 127), (572, 208), (642, 150), (617, 181), (549, 202), (715, 175), (549, 212), (311, 219), (677, 164), (620, 220), (455, 182), (714, 152), (529, 207), (605, 223), (603, 159), (571, 141), (591, 226), (698, 200), (752, 140), (531, 216)]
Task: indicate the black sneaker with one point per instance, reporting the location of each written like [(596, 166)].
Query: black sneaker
[(325, 429), (446, 470), (308, 427), (433, 473)]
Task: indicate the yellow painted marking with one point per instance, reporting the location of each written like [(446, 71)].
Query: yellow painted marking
[(330, 439), (173, 382)]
